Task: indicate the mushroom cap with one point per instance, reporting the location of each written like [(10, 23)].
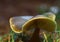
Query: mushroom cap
[(17, 22), (46, 22), (43, 22)]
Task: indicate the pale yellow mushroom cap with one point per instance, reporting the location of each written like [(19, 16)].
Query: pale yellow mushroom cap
[(46, 22), (17, 22), (43, 22), (50, 15)]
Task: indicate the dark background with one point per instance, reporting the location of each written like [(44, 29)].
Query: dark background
[(10, 8)]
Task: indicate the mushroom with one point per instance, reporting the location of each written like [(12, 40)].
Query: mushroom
[(23, 24), (45, 22)]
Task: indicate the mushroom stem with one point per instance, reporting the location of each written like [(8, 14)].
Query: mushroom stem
[(35, 36)]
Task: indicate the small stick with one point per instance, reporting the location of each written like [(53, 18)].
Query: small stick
[(9, 37)]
